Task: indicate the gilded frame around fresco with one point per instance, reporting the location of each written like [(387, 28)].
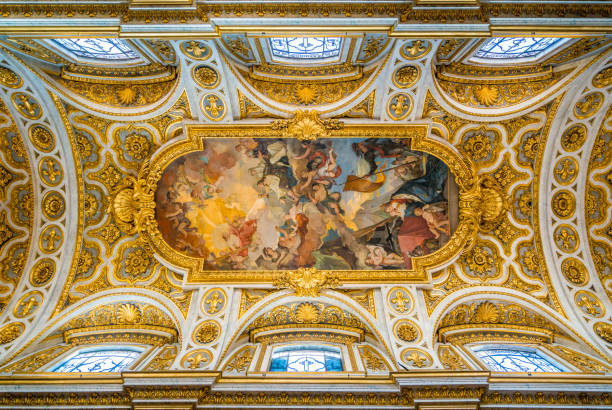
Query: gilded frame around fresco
[(480, 202)]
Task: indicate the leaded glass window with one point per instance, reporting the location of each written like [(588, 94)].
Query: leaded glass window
[(98, 361), (508, 359), (514, 47), (98, 48), (306, 359), (305, 48)]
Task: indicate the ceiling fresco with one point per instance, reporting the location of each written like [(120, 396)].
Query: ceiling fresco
[(208, 202)]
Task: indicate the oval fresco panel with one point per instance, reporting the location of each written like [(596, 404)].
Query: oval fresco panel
[(335, 204)]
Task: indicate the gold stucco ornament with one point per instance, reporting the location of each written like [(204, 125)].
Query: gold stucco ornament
[(133, 202), (307, 281), (306, 126)]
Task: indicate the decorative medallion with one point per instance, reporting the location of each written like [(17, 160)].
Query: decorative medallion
[(42, 137), (400, 300), (9, 78), (566, 238), (406, 76), (563, 204), (207, 332), (42, 272), (416, 358), (566, 170), (573, 138), (603, 78), (51, 239), (10, 332), (415, 49), (589, 304), (196, 50), (53, 205), (27, 105), (206, 76), (197, 359), (575, 271), (28, 304), (214, 301), (603, 330), (399, 106), (406, 331), (588, 105), (50, 171), (213, 107)]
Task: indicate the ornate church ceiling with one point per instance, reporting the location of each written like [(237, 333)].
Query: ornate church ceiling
[(207, 199)]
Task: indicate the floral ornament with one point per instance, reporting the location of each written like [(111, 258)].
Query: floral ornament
[(416, 358), (574, 137), (566, 170), (42, 138), (137, 262), (90, 205), (406, 76), (42, 272), (207, 332), (575, 271), (206, 76), (406, 331), (85, 262), (566, 238), (137, 146), (603, 78), (588, 105), (480, 144), (563, 204), (53, 205), (84, 146), (479, 261)]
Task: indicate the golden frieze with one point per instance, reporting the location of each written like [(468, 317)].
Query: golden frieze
[(135, 210)]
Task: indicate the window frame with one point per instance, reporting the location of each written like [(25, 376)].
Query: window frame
[(538, 350), (72, 55), (541, 55), (306, 347), (72, 353)]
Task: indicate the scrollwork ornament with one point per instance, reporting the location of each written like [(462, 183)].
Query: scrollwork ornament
[(484, 204), (603, 78), (307, 281), (563, 204), (207, 332), (132, 203), (575, 271)]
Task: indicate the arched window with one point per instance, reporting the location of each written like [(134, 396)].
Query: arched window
[(99, 360), (98, 48), (305, 48), (306, 358), (516, 359), (517, 47)]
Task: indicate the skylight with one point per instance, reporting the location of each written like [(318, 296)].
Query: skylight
[(98, 48), (516, 48), (305, 48), (504, 359)]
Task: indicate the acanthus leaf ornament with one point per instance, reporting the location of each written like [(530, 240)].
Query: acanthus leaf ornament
[(133, 202), (306, 126), (307, 281)]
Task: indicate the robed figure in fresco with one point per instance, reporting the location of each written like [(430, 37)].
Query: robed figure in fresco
[(273, 204)]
